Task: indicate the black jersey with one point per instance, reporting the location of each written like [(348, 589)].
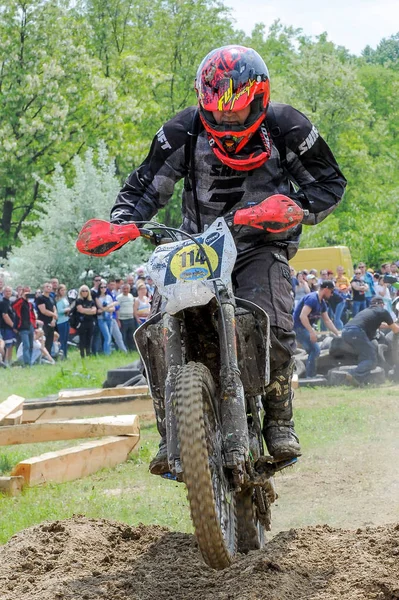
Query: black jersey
[(309, 164), (370, 320)]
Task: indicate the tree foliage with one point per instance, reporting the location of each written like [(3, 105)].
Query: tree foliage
[(73, 72), (52, 251)]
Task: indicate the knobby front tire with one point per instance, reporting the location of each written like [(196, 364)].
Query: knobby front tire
[(209, 494)]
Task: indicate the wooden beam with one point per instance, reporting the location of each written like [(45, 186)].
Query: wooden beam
[(12, 486), (80, 409), (12, 419), (9, 406), (77, 462), (69, 430), (137, 390)]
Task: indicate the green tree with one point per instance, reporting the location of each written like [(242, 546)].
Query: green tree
[(54, 101), (60, 216)]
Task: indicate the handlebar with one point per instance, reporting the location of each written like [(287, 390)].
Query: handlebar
[(275, 214)]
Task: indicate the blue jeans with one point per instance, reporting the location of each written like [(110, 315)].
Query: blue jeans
[(366, 353), (357, 306), (339, 309), (128, 327), (312, 348), (105, 328), (63, 330), (96, 338), (26, 336)]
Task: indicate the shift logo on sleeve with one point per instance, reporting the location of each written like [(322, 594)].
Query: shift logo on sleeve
[(310, 140), (163, 140)]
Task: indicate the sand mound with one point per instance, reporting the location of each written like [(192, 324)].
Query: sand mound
[(84, 559)]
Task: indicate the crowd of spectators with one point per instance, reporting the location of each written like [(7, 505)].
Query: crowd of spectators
[(350, 295), (40, 326), (329, 300)]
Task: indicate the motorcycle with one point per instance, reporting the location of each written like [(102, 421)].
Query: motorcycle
[(206, 357)]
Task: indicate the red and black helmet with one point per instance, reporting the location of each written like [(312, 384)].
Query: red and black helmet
[(231, 78)]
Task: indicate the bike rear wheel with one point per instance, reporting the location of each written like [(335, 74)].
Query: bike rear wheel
[(210, 496)]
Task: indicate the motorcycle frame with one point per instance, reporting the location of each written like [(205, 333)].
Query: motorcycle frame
[(231, 408)]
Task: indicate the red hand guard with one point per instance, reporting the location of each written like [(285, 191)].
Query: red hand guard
[(274, 214), (100, 238)]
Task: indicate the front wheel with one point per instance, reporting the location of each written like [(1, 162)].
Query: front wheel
[(210, 495)]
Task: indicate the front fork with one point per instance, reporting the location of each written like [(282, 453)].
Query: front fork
[(173, 360), (231, 409), (232, 405)]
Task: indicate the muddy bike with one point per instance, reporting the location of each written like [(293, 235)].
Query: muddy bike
[(206, 356)]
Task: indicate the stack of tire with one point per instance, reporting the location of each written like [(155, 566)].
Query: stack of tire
[(337, 358), (129, 375)]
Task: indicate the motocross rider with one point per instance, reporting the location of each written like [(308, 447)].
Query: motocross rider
[(237, 147)]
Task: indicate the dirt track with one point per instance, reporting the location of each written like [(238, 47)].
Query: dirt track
[(83, 559)]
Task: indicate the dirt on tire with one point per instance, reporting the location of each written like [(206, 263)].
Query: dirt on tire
[(87, 559)]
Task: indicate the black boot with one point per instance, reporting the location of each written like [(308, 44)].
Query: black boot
[(159, 464), (278, 426)]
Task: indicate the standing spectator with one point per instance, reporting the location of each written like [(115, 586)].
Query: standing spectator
[(359, 289), (294, 280), (341, 278), (54, 288), (394, 269), (96, 341), (115, 326), (1, 287), (307, 313), (383, 291), (105, 307), (367, 278), (340, 314), (48, 314), (25, 323), (126, 317), (312, 282), (323, 276), (7, 324), (63, 310), (385, 269), (86, 308), (301, 289), (2, 353), (130, 280), (118, 285), (150, 286), (142, 304)]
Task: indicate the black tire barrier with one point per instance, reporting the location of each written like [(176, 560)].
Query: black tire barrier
[(136, 380), (117, 377), (300, 367), (339, 348), (338, 376)]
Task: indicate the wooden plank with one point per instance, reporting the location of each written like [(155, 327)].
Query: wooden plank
[(137, 390), (9, 406), (12, 486), (13, 419), (80, 409), (69, 430), (295, 381), (77, 462)]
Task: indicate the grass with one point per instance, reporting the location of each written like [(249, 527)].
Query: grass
[(126, 493), (325, 418), (75, 372)]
